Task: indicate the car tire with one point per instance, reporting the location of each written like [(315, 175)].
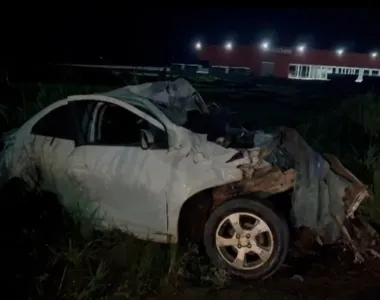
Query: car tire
[(257, 250)]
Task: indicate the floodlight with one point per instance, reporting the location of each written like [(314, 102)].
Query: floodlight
[(301, 48), (340, 51), (228, 46), (265, 45)]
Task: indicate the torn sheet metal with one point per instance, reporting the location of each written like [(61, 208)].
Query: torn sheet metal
[(323, 190), (268, 179)]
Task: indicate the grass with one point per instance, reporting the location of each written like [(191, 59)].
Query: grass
[(66, 259), (57, 257)]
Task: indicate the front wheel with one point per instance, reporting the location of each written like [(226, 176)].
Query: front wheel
[(247, 238)]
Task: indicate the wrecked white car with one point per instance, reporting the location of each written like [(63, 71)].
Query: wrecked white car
[(126, 155)]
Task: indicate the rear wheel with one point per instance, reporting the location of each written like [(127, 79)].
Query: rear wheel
[(247, 238)]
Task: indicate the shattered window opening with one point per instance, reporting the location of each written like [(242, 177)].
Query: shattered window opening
[(56, 124), (84, 114), (116, 126)]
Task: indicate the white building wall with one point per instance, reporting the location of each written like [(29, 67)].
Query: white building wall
[(320, 72)]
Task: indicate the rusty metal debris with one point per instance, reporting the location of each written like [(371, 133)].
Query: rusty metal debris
[(356, 193), (270, 179), (358, 234)]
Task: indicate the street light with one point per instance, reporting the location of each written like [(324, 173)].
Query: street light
[(340, 51), (228, 46), (374, 54), (198, 46), (265, 45), (301, 48)]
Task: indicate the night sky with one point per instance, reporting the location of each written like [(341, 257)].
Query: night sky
[(141, 35)]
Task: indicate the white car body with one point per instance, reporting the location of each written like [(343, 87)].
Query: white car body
[(138, 190)]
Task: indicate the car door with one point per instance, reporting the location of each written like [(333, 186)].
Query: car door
[(125, 184)]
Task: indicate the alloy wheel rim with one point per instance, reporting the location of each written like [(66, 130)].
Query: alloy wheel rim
[(244, 241)]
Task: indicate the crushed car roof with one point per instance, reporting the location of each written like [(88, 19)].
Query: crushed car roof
[(173, 98)]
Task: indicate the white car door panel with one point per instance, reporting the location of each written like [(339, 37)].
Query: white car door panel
[(52, 154), (122, 182)]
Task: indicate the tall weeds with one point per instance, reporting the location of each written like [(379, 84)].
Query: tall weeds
[(113, 265)]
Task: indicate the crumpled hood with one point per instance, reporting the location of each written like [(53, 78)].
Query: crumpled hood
[(203, 150)]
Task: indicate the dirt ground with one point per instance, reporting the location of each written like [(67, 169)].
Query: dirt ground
[(325, 276), (324, 273)]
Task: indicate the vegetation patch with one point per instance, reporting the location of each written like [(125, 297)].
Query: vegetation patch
[(49, 255)]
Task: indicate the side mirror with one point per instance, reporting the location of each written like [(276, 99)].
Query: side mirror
[(146, 139)]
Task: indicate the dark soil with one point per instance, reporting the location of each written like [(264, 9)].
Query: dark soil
[(28, 231), (326, 278)]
